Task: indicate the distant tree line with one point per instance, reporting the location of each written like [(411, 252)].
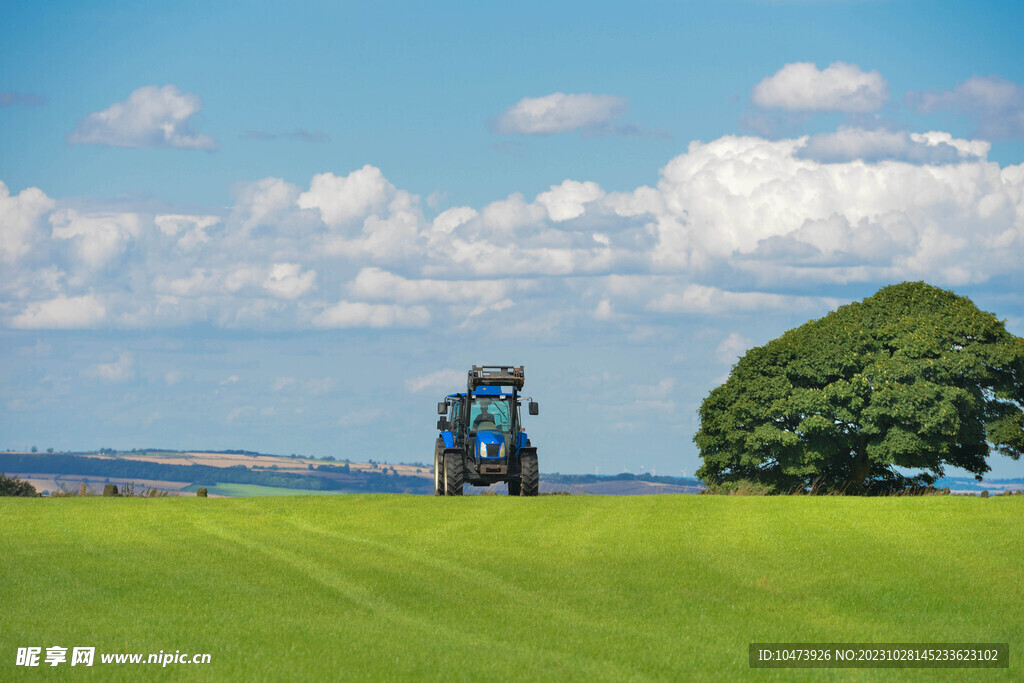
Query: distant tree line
[(232, 452), (339, 469)]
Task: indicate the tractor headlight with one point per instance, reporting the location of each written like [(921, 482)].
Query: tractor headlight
[(482, 449), (501, 450)]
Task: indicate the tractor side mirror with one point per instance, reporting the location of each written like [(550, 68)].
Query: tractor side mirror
[(442, 408), (534, 408), (442, 423)]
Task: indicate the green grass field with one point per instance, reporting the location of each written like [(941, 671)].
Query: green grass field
[(551, 588)]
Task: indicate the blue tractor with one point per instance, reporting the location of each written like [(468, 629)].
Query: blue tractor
[(482, 440)]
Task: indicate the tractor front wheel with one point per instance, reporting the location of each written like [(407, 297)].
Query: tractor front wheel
[(438, 473), (530, 482), (454, 474)]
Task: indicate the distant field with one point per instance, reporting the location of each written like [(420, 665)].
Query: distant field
[(235, 490), (284, 464), (553, 588), (72, 482), (181, 469)]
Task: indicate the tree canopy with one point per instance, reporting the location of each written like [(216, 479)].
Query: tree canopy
[(914, 377)]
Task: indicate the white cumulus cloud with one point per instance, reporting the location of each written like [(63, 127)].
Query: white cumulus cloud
[(441, 380), (448, 220), (732, 347), (712, 300), (848, 144), (268, 203), (62, 312), (121, 370), (375, 284), (801, 86), (362, 314), (559, 113), (287, 280), (97, 239), (22, 221), (150, 117), (566, 201), (344, 199), (731, 197), (995, 104), (506, 215), (190, 231), (730, 225)]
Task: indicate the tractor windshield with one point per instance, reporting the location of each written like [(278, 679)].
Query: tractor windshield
[(488, 413)]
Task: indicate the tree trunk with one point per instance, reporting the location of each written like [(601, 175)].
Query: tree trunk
[(861, 468)]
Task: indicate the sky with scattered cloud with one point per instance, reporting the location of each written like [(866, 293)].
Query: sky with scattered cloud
[(295, 232)]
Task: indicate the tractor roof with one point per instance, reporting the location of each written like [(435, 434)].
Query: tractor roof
[(489, 392), (496, 376)]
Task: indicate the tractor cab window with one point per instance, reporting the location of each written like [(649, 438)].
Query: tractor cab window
[(455, 414), (490, 414)]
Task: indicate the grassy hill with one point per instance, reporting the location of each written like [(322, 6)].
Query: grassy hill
[(577, 587)]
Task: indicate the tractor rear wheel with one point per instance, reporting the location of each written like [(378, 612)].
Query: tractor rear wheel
[(530, 482), (454, 474), (438, 473)]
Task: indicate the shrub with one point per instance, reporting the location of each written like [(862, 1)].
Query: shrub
[(743, 487), (128, 489), (12, 486)]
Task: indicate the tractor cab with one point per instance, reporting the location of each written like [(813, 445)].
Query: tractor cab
[(492, 420)]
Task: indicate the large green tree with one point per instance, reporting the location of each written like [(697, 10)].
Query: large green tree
[(913, 377)]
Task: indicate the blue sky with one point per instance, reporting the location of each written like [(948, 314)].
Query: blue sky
[(289, 227)]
